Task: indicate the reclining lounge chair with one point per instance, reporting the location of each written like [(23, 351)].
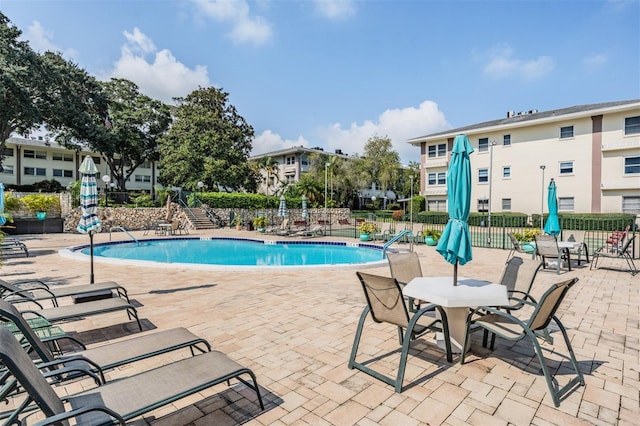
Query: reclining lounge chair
[(124, 399), (109, 355), (39, 290)]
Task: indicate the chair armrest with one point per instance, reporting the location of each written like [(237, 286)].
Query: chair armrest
[(65, 337), (30, 280), (58, 418)]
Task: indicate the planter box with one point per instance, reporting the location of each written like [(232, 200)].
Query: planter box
[(53, 225)]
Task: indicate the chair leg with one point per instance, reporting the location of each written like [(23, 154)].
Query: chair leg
[(356, 340)]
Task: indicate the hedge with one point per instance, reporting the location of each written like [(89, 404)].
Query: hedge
[(237, 200)]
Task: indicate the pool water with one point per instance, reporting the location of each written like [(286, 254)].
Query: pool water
[(240, 252)]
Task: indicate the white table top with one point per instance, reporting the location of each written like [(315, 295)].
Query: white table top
[(468, 292), (569, 244)]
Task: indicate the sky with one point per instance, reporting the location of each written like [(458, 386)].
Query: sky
[(334, 73)]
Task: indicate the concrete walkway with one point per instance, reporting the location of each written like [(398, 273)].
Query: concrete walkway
[(295, 330)]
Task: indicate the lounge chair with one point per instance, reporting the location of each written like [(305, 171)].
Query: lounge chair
[(384, 233), (547, 247), (79, 310), (508, 327), (315, 231), (385, 303), (517, 247), (39, 290), (9, 246), (121, 400), (109, 355), (284, 227), (621, 253)]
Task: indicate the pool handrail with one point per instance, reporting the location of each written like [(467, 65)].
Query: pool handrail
[(123, 229), (394, 239)]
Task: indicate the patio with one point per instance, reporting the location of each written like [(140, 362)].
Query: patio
[(295, 329)]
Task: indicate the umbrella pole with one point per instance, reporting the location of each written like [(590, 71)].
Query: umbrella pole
[(91, 255), (455, 274)]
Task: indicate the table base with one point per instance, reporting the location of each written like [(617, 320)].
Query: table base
[(457, 320)]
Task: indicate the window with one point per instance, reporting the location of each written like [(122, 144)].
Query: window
[(566, 132), (62, 173), (304, 161), (632, 125), (291, 179), (96, 160), (632, 165), (7, 170), (506, 140), (506, 172), (483, 144), (631, 205), (439, 150), (291, 160), (145, 165), (142, 178), (483, 175), (35, 171), (30, 153), (566, 167), (506, 204), (566, 204), (437, 178), (437, 205), (483, 205), (62, 157), (7, 152)]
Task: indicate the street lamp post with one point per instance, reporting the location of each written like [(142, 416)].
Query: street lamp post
[(493, 143), (106, 179), (326, 171), (542, 167)]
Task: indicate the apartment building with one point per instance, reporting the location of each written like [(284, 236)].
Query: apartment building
[(34, 158), (290, 164), (591, 151)]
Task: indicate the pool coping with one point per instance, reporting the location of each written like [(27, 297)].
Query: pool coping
[(74, 253)]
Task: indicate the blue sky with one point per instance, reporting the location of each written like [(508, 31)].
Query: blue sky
[(333, 73)]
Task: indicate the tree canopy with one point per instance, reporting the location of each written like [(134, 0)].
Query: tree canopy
[(208, 142)]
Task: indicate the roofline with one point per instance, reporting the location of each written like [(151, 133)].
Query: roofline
[(295, 150), (531, 119)]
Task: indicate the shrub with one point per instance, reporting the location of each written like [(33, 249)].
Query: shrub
[(368, 228), (527, 236), (40, 203), (397, 215)]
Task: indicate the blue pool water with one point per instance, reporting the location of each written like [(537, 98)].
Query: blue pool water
[(240, 252)]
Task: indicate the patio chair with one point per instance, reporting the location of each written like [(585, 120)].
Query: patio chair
[(518, 277), (34, 289), (579, 237), (121, 400), (517, 247), (110, 355), (79, 310), (623, 253), (284, 227), (616, 239), (511, 328), (11, 246), (384, 233), (385, 303), (547, 247), (418, 236), (404, 267)]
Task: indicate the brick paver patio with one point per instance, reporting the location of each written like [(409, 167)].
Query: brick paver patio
[(295, 330)]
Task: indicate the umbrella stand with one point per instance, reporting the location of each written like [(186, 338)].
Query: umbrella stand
[(455, 274), (91, 256)]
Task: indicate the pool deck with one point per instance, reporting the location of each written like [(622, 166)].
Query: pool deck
[(295, 329)]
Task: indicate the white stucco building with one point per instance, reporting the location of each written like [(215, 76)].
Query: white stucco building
[(592, 152)]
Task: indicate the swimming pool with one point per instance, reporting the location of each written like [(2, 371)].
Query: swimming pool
[(233, 253)]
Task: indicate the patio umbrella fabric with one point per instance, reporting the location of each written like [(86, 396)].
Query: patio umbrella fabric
[(89, 223), (305, 212), (455, 243), (552, 227), (282, 209), (3, 219)]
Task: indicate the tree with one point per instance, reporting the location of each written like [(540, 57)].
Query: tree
[(381, 162), (22, 84), (270, 167), (209, 142)]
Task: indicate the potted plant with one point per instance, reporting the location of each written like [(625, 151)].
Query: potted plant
[(431, 236), (366, 229), (237, 220), (40, 204), (526, 239), (260, 223)]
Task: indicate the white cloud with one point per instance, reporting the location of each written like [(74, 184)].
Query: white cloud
[(40, 40), (335, 9), (595, 61), (268, 141), (164, 78), (399, 125), (501, 64), (245, 27)]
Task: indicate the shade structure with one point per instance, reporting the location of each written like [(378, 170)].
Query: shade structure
[(3, 219), (552, 226), (89, 222), (455, 243), (282, 209)]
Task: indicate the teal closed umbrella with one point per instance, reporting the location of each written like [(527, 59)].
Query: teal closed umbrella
[(3, 218), (552, 226), (455, 243)]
